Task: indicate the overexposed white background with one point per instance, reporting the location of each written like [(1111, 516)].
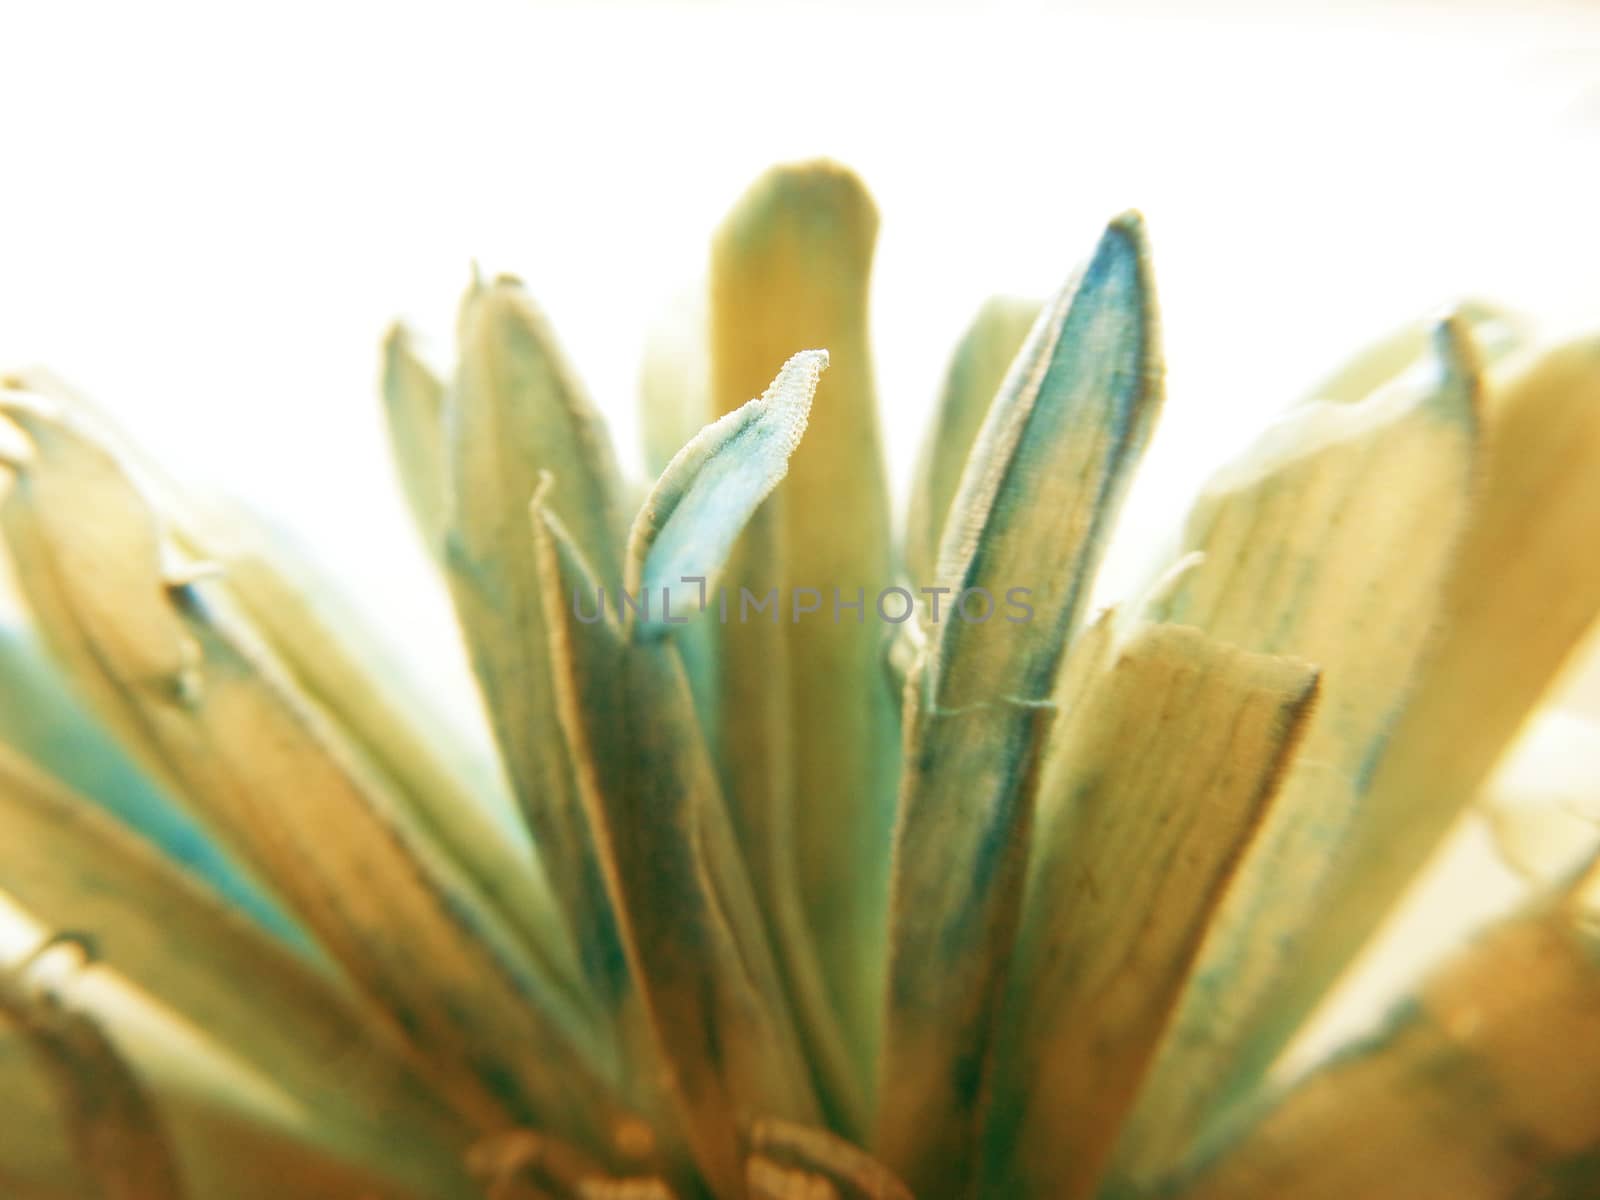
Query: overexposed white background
[(208, 213)]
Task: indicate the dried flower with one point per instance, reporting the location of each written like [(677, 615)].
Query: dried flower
[(844, 865)]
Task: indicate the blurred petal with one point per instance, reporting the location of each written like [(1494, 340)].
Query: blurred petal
[(335, 659), (413, 403), (810, 730), (674, 382), (1522, 596), (971, 381), (74, 868), (1485, 1086), (1543, 801), (118, 1137), (221, 1148), (41, 718), (179, 671), (1496, 333)]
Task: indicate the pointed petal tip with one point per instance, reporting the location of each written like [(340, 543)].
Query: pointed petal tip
[(489, 302), (397, 338), (482, 286), (1120, 268), (1130, 225), (1454, 341), (1125, 245), (1461, 366), (801, 370)]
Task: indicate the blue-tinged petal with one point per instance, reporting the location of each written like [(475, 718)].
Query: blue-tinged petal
[(1025, 534), (41, 717)]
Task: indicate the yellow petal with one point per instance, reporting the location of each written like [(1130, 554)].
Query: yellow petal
[(118, 1135), (693, 937), (809, 722), (1486, 1085), (1159, 778), (322, 642), (74, 867), (1331, 542)]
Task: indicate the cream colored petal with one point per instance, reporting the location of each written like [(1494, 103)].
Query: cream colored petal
[(515, 410)]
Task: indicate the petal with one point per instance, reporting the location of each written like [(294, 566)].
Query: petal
[(413, 405), (41, 718), (1032, 513), (689, 925), (809, 727), (1331, 542), (118, 1136), (72, 867), (517, 410), (976, 371), (712, 487), (1159, 779), (674, 382), (325, 644), (178, 671)]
